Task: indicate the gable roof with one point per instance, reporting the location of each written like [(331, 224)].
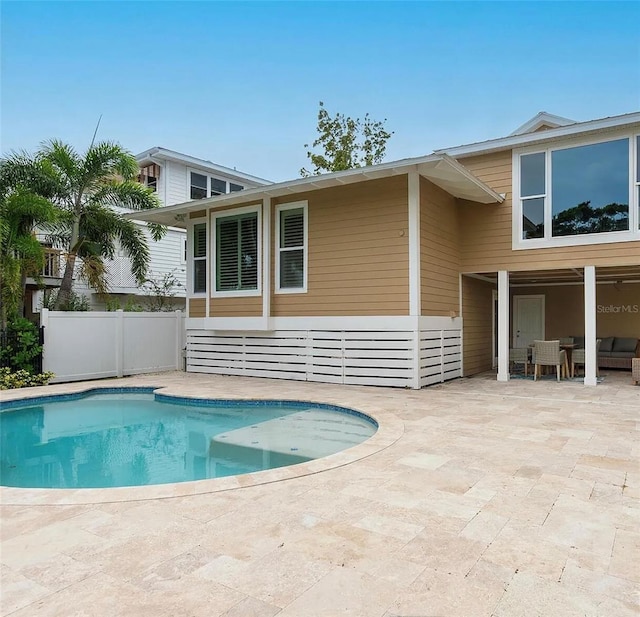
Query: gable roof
[(600, 125), (159, 154), (540, 120)]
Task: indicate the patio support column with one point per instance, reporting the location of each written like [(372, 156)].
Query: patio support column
[(503, 325), (415, 308), (590, 359), (266, 260)]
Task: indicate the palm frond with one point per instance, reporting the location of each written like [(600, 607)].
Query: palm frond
[(106, 159), (22, 170), (157, 231), (134, 244), (105, 228), (126, 194), (25, 210), (63, 159), (93, 270)]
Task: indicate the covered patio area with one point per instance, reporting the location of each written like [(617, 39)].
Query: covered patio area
[(508, 310)]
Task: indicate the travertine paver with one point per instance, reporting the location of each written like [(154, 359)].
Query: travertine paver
[(486, 499)]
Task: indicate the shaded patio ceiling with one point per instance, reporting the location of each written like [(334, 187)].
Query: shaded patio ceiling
[(604, 274)]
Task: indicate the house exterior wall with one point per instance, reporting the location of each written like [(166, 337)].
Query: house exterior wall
[(358, 252), (440, 251), (486, 231), (176, 180), (236, 307), (357, 255), (197, 307), (477, 317)]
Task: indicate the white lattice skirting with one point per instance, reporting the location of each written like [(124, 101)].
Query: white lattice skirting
[(405, 359)]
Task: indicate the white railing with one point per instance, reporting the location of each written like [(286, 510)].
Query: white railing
[(402, 358), (92, 345)]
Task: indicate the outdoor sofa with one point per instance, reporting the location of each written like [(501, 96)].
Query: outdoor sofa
[(615, 351)]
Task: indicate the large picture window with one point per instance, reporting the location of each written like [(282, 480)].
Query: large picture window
[(237, 252), (291, 269), (200, 258), (576, 191)]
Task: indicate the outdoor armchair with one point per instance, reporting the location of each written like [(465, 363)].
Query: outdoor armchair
[(548, 353), (519, 355)]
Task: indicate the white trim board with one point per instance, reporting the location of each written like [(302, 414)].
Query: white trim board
[(351, 323)]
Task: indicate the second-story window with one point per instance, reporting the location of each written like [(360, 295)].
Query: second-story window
[(198, 186), (217, 187), (149, 175), (203, 185), (583, 190)]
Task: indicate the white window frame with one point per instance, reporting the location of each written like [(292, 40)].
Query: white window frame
[(200, 173), (191, 259), (209, 183), (519, 243), (209, 176), (184, 248), (305, 247), (247, 293)]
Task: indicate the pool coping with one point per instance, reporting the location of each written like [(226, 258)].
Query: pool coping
[(390, 429)]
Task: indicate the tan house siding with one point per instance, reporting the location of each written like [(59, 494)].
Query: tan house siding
[(236, 307), (197, 307), (358, 251), (477, 313), (486, 231), (440, 251)]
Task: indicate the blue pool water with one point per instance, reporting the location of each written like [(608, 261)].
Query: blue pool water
[(131, 438)]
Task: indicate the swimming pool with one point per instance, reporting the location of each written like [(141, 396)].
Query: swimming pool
[(132, 437)]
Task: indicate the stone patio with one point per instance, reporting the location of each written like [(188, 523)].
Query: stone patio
[(478, 499)]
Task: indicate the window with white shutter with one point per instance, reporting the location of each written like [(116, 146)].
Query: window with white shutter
[(237, 252), (291, 267)]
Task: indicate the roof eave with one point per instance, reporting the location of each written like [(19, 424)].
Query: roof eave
[(514, 141), (442, 170), (157, 152)]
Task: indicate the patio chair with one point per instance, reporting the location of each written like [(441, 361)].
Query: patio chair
[(578, 357), (548, 353), (519, 355)]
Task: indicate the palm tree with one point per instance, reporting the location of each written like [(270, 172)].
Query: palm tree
[(93, 189), (25, 185)]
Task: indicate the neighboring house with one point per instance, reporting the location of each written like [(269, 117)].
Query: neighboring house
[(176, 178), (420, 270)]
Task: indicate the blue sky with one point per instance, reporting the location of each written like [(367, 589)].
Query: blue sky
[(239, 83)]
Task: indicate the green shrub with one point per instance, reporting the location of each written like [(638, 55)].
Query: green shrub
[(131, 306), (10, 380), (76, 301), (21, 347), (112, 304)]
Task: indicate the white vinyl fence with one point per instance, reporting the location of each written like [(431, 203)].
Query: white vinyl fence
[(91, 345)]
